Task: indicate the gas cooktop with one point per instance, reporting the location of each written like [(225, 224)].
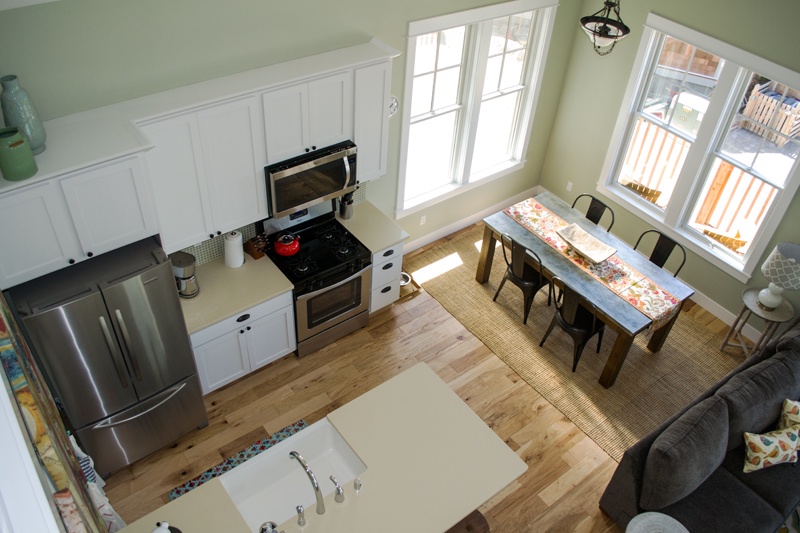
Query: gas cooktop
[(326, 249)]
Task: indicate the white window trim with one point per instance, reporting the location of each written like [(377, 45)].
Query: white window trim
[(607, 183), (472, 16)]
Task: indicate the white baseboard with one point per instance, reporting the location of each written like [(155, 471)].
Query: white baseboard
[(463, 223), (707, 303)]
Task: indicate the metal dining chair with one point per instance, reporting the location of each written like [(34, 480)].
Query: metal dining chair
[(527, 277), (577, 320), (662, 249), (596, 209)]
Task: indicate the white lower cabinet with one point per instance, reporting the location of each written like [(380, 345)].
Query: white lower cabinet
[(387, 266), (241, 344)]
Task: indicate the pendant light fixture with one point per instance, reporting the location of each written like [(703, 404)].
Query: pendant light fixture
[(603, 30)]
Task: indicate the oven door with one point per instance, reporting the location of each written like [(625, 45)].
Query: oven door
[(311, 182), (327, 307)]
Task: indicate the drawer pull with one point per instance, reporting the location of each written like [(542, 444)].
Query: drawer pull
[(387, 253), (386, 289), (387, 266), (243, 317)]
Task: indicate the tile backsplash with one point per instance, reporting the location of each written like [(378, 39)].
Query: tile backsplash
[(213, 248)]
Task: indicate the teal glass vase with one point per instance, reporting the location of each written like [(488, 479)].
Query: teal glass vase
[(19, 111)]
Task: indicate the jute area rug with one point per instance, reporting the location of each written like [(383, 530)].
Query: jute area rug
[(650, 387)]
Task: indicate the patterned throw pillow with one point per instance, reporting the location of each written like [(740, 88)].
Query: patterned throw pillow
[(790, 414), (775, 447)]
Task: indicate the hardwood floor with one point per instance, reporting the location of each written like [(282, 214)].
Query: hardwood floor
[(567, 470)]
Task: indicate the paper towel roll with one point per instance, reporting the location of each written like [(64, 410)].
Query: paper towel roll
[(234, 251)]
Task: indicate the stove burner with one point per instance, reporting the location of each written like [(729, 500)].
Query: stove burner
[(301, 264), (343, 252)]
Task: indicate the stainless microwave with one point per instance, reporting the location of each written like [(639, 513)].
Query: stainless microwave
[(311, 178)]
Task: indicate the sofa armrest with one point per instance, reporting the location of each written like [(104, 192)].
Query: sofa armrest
[(620, 500)]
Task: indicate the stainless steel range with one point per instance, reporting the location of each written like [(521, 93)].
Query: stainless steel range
[(330, 269)]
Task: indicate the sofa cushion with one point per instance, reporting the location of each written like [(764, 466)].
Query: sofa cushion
[(790, 414), (685, 454), (790, 340), (774, 484), (722, 503), (755, 395), (770, 449)]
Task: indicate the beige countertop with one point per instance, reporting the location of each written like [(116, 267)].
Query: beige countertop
[(225, 292), (375, 230), (430, 462)]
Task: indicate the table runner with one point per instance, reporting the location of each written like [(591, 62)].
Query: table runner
[(625, 281)]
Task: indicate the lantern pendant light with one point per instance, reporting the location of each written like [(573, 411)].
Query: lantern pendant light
[(603, 30)]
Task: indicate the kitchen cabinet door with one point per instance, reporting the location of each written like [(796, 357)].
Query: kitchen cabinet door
[(110, 206), (330, 109), (308, 116), (371, 115), (38, 236), (234, 157), (178, 180), (221, 360), (271, 337), (207, 171)]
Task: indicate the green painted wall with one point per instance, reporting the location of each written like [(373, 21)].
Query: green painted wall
[(593, 92), (73, 55)]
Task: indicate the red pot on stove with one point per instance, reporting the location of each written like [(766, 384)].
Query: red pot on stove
[(287, 245)]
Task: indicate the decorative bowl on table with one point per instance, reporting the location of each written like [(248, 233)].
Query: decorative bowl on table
[(589, 247)]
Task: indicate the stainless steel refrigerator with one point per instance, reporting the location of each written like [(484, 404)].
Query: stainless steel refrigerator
[(111, 339)]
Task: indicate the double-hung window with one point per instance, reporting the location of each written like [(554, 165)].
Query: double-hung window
[(471, 84), (706, 144)]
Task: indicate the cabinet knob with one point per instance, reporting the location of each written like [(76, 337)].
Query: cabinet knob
[(90, 254), (313, 147), (248, 328), (71, 261), (387, 253), (308, 150), (219, 233), (241, 331), (386, 289), (210, 235), (387, 266), (243, 317)]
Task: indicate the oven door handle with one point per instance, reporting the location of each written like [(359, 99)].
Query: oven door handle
[(324, 289)]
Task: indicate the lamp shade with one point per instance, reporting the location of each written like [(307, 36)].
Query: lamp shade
[(782, 267)]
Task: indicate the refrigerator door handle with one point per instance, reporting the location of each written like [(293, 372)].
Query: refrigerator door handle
[(168, 395), (115, 355), (128, 345)]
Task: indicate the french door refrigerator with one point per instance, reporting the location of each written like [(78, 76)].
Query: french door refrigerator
[(110, 336)]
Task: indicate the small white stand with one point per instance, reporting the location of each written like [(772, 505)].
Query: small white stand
[(772, 318)]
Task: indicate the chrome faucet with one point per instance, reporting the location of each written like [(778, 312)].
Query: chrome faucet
[(313, 479)]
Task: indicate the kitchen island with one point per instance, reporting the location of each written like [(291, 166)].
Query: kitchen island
[(430, 462)]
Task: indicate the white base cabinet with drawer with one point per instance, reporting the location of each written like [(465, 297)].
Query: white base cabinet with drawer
[(241, 344), (387, 266)]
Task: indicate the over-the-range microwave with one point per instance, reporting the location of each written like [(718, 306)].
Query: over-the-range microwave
[(311, 178)]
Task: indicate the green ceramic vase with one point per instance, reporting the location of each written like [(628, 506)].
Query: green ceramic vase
[(16, 159), (19, 111)]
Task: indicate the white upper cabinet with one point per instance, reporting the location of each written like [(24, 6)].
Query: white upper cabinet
[(309, 115), (54, 224), (207, 171), (371, 116), (110, 206)]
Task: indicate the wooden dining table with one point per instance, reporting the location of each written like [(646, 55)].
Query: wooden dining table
[(617, 313)]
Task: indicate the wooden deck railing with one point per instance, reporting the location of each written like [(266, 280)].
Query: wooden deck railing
[(734, 204)]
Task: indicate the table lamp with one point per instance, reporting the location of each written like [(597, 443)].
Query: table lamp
[(782, 269)]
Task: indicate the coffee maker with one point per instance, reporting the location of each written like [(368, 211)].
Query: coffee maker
[(183, 270)]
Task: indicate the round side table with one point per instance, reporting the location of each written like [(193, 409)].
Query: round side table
[(772, 318), (654, 523)]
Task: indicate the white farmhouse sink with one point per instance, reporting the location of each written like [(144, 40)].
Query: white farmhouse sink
[(271, 485)]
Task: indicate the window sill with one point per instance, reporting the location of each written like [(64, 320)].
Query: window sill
[(451, 191)]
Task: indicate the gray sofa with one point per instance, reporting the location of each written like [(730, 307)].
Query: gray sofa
[(690, 467)]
